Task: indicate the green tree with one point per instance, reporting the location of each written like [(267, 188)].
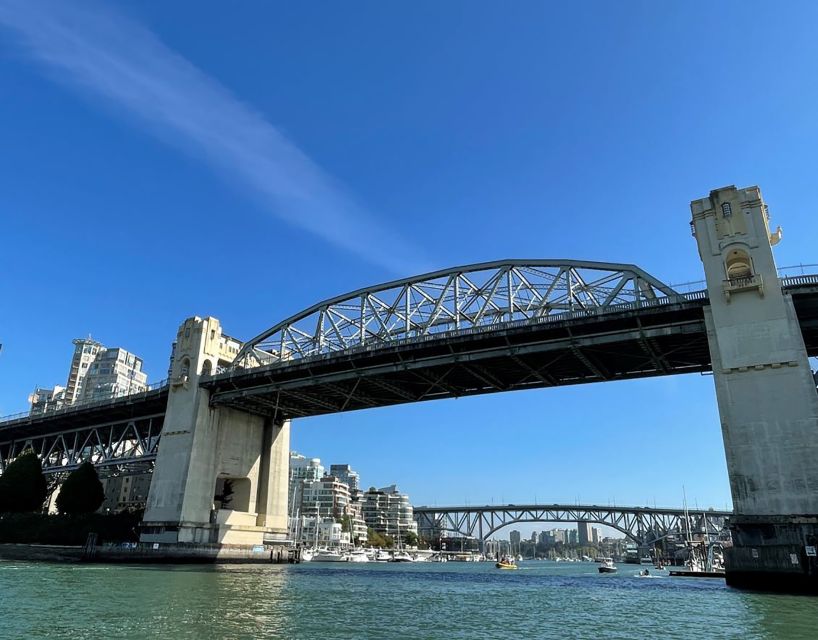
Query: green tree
[(374, 539), (22, 485), (82, 492), (378, 540), (410, 539)]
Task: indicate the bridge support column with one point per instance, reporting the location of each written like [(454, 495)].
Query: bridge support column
[(221, 473), (766, 395)]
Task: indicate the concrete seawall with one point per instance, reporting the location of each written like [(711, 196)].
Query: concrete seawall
[(148, 553)]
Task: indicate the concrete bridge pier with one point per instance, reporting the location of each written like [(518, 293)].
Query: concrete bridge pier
[(766, 395), (221, 473)]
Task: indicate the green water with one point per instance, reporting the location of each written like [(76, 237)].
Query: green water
[(336, 601)]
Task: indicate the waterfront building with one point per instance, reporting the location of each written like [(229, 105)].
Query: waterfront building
[(327, 496), (42, 400), (571, 536), (356, 513), (301, 469), (595, 535), (330, 533), (388, 511), (332, 496), (514, 539), (114, 372), (534, 537), (354, 510)]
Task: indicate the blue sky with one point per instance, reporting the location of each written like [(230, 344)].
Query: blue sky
[(161, 160)]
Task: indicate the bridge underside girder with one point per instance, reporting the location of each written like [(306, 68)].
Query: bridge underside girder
[(114, 444)]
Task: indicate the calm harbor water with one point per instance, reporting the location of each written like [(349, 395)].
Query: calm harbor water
[(315, 601)]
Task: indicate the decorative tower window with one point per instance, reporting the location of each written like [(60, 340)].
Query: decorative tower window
[(726, 211)]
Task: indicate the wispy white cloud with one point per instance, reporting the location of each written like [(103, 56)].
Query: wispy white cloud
[(115, 58)]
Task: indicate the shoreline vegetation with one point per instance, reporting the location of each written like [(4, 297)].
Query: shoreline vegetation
[(69, 529)]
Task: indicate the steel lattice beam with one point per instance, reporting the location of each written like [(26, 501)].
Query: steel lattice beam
[(125, 442)]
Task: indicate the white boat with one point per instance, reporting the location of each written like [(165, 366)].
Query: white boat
[(607, 566), (646, 560), (439, 557), (401, 556), (358, 555), (329, 555), (381, 556), (306, 554)]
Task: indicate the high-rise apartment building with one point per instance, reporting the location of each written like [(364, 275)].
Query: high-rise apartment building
[(85, 352), (514, 539), (113, 373), (96, 373), (584, 536)]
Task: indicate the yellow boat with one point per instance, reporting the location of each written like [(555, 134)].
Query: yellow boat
[(505, 565)]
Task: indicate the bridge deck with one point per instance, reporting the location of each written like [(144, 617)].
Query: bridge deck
[(633, 343), (148, 403)]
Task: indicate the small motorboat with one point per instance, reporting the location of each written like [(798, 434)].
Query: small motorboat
[(357, 555), (506, 564), (401, 556), (607, 566), (329, 555)]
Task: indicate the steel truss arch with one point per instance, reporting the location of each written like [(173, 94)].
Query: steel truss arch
[(476, 296), (641, 524)]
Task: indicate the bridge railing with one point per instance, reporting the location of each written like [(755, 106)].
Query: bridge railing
[(794, 281), (107, 398)]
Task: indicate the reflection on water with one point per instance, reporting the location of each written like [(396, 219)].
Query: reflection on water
[(314, 601)]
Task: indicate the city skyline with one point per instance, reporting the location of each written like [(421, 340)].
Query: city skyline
[(580, 150)]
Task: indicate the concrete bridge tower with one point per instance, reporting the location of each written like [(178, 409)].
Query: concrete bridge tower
[(221, 474), (766, 394)]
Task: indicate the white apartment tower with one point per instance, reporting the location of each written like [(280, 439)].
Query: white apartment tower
[(85, 352), (113, 373)]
